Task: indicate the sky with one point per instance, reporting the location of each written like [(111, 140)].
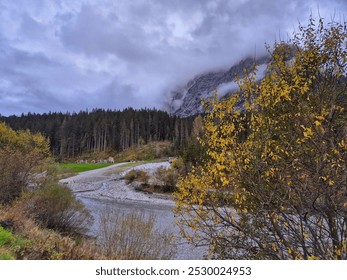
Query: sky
[(63, 55)]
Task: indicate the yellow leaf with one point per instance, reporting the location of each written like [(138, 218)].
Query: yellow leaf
[(317, 123)]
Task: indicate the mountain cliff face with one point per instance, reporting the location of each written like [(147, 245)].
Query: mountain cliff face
[(186, 101)]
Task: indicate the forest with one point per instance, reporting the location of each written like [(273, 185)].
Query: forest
[(74, 134)]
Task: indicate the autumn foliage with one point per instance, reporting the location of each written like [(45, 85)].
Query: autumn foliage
[(273, 184), (21, 155)]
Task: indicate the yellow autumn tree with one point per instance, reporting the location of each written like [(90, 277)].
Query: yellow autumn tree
[(274, 185), (21, 153)]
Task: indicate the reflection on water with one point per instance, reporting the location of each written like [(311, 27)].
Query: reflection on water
[(165, 220)]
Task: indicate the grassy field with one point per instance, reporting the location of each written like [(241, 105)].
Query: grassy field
[(76, 168)]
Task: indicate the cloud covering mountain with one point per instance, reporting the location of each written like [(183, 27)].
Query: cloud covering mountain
[(71, 55)]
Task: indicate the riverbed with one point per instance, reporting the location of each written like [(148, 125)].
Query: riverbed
[(104, 190)]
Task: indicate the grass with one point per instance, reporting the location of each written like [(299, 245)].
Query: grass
[(5, 236), (7, 242), (76, 168)]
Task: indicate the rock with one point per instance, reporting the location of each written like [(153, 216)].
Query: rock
[(186, 101)]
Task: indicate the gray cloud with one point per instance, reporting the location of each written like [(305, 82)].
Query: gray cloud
[(95, 34), (72, 55)]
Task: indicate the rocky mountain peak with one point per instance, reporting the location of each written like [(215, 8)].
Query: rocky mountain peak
[(186, 101)]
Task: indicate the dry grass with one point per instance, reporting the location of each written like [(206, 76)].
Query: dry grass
[(37, 243), (133, 237), (153, 150)]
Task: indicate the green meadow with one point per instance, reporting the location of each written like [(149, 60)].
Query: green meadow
[(76, 167)]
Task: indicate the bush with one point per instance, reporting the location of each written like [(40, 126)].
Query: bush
[(33, 242), (273, 185), (21, 154), (30, 240), (168, 178), (137, 175), (133, 236), (55, 207)]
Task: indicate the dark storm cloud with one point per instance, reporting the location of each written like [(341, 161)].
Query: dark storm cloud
[(72, 55)]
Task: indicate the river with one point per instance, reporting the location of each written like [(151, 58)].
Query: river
[(103, 190)]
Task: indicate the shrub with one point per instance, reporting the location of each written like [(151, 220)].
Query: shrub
[(273, 185), (32, 242), (21, 153), (168, 178), (55, 207), (133, 236), (130, 176), (137, 175)]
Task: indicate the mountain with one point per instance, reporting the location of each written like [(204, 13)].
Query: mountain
[(186, 101)]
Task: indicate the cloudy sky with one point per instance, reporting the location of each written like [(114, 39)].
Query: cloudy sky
[(64, 55)]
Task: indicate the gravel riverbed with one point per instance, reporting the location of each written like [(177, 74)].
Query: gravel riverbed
[(104, 188)]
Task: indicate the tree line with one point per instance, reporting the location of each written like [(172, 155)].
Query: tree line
[(73, 134)]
